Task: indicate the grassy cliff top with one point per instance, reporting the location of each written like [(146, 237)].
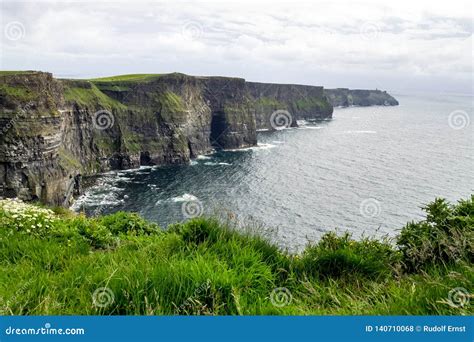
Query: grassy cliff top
[(88, 94), (55, 262), (128, 78), (17, 72), (119, 78), (154, 77)]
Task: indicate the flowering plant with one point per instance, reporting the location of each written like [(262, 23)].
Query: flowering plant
[(16, 215)]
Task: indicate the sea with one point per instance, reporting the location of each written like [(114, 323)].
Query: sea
[(367, 171)]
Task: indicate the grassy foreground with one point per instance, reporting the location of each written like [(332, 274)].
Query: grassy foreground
[(55, 262)]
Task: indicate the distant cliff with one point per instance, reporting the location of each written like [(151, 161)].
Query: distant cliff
[(343, 97), (298, 102)]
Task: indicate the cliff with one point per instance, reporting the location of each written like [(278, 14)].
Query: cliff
[(54, 131), (295, 102), (343, 97)]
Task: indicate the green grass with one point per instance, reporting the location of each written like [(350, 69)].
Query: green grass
[(16, 72), (67, 160), (270, 103), (90, 95), (171, 103), (18, 92), (128, 78), (207, 267), (311, 103)]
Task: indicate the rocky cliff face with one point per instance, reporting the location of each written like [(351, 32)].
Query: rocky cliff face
[(293, 102), (53, 131), (343, 97), (171, 118), (31, 125)]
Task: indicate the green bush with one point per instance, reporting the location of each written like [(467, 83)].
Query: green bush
[(446, 236), (200, 230), (97, 235), (341, 256), (218, 237), (128, 223)]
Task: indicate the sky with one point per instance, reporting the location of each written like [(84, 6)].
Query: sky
[(401, 46)]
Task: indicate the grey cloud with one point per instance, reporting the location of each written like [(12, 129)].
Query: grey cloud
[(279, 44)]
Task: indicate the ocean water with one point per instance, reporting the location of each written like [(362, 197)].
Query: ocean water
[(368, 171)]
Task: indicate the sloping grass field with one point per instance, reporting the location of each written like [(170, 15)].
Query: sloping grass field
[(54, 262)]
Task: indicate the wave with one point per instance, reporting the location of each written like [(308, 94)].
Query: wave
[(360, 132), (184, 198), (252, 148), (92, 199), (203, 157), (213, 164), (105, 193), (311, 127)]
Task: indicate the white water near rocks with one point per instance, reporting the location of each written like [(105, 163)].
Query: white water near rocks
[(367, 171)]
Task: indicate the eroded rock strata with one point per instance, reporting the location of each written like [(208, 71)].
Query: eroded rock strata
[(54, 131)]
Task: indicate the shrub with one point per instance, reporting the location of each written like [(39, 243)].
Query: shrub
[(220, 238), (446, 236), (341, 256), (200, 230), (128, 223), (97, 235)]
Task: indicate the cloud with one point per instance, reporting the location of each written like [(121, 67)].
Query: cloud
[(337, 43)]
